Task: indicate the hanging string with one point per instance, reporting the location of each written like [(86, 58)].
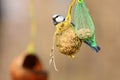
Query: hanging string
[(68, 17), (31, 46)]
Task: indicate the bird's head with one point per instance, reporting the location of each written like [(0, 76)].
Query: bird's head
[(57, 19)]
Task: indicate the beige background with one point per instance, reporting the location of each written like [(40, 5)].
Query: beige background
[(14, 38)]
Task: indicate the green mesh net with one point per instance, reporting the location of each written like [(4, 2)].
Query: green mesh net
[(83, 21)]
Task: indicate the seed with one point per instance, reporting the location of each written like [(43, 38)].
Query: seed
[(68, 42)]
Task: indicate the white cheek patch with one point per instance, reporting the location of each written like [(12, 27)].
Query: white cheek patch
[(59, 19)]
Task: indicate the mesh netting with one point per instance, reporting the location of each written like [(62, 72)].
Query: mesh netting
[(83, 21)]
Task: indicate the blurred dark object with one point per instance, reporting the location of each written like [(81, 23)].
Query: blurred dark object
[(27, 67)]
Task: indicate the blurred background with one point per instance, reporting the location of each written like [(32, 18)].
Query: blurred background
[(15, 36)]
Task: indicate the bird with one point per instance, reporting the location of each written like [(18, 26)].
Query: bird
[(57, 18)]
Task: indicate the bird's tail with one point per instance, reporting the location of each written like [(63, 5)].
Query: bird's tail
[(95, 48)]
